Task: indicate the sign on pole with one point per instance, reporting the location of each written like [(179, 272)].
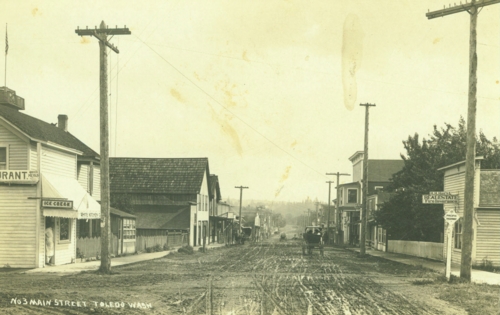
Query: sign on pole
[(450, 217)]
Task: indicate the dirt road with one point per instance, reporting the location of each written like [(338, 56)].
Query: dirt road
[(271, 277)]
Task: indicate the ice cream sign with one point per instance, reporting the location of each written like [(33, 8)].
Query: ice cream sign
[(19, 176), (57, 203)]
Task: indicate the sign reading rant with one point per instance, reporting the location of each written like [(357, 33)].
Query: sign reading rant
[(55, 203), (441, 197), (19, 176)]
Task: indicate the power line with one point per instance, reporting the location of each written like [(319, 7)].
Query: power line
[(228, 110), (93, 95)]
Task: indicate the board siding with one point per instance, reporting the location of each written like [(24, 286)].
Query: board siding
[(18, 156), (17, 226), (17, 149), (488, 236), (33, 157), (96, 193), (455, 184), (83, 176), (65, 251), (8, 136), (58, 162)]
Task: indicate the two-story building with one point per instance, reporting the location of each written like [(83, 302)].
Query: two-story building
[(160, 189), (41, 194), (349, 198), (486, 207)]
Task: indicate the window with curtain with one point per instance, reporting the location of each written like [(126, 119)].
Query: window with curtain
[(64, 229)]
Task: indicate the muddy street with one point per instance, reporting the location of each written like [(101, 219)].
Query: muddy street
[(271, 277)]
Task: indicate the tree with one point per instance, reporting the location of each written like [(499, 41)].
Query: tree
[(122, 202), (404, 215)]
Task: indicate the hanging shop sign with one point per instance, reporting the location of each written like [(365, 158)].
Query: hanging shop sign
[(57, 203), (19, 176), (441, 197)]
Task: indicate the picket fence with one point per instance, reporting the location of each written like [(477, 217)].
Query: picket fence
[(91, 246), (420, 249), (172, 239)]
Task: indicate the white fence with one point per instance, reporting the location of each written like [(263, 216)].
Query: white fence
[(419, 249), (91, 247), (171, 239)]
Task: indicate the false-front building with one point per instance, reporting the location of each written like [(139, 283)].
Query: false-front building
[(41, 193)]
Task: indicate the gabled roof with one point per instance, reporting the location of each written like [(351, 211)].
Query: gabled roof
[(165, 217), (157, 175), (382, 170), (120, 213), (38, 130), (213, 187)]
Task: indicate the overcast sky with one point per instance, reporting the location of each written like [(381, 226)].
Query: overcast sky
[(268, 90)]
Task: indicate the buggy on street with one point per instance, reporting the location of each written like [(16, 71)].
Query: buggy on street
[(312, 237), (283, 236)]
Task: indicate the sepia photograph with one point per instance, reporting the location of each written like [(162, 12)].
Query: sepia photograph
[(250, 157)]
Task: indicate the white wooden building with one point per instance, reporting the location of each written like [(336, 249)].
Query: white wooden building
[(40, 187), (486, 223)]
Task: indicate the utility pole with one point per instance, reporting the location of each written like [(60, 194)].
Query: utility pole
[(472, 9), (101, 34), (328, 217), (362, 232), (337, 213), (317, 211), (241, 197)]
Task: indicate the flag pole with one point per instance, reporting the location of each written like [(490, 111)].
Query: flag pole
[(6, 50)]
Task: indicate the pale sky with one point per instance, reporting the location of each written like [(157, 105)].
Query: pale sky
[(268, 90)]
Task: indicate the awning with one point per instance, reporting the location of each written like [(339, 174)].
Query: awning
[(64, 188)]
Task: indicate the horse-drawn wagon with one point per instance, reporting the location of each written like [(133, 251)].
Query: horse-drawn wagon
[(312, 237), (283, 236)]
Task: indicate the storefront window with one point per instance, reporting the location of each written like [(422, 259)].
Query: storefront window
[(128, 229), (3, 158), (64, 229)]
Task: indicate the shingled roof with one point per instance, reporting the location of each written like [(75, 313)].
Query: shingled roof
[(213, 187), (39, 130), (120, 213), (157, 175)]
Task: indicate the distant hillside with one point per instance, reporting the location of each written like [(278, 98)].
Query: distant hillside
[(287, 209)]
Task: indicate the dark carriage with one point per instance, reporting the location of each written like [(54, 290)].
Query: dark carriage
[(312, 237), (283, 236), (246, 233)]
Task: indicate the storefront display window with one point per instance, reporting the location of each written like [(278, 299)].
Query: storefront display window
[(64, 229), (128, 229)]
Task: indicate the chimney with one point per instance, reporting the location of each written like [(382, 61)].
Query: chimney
[(62, 122)]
